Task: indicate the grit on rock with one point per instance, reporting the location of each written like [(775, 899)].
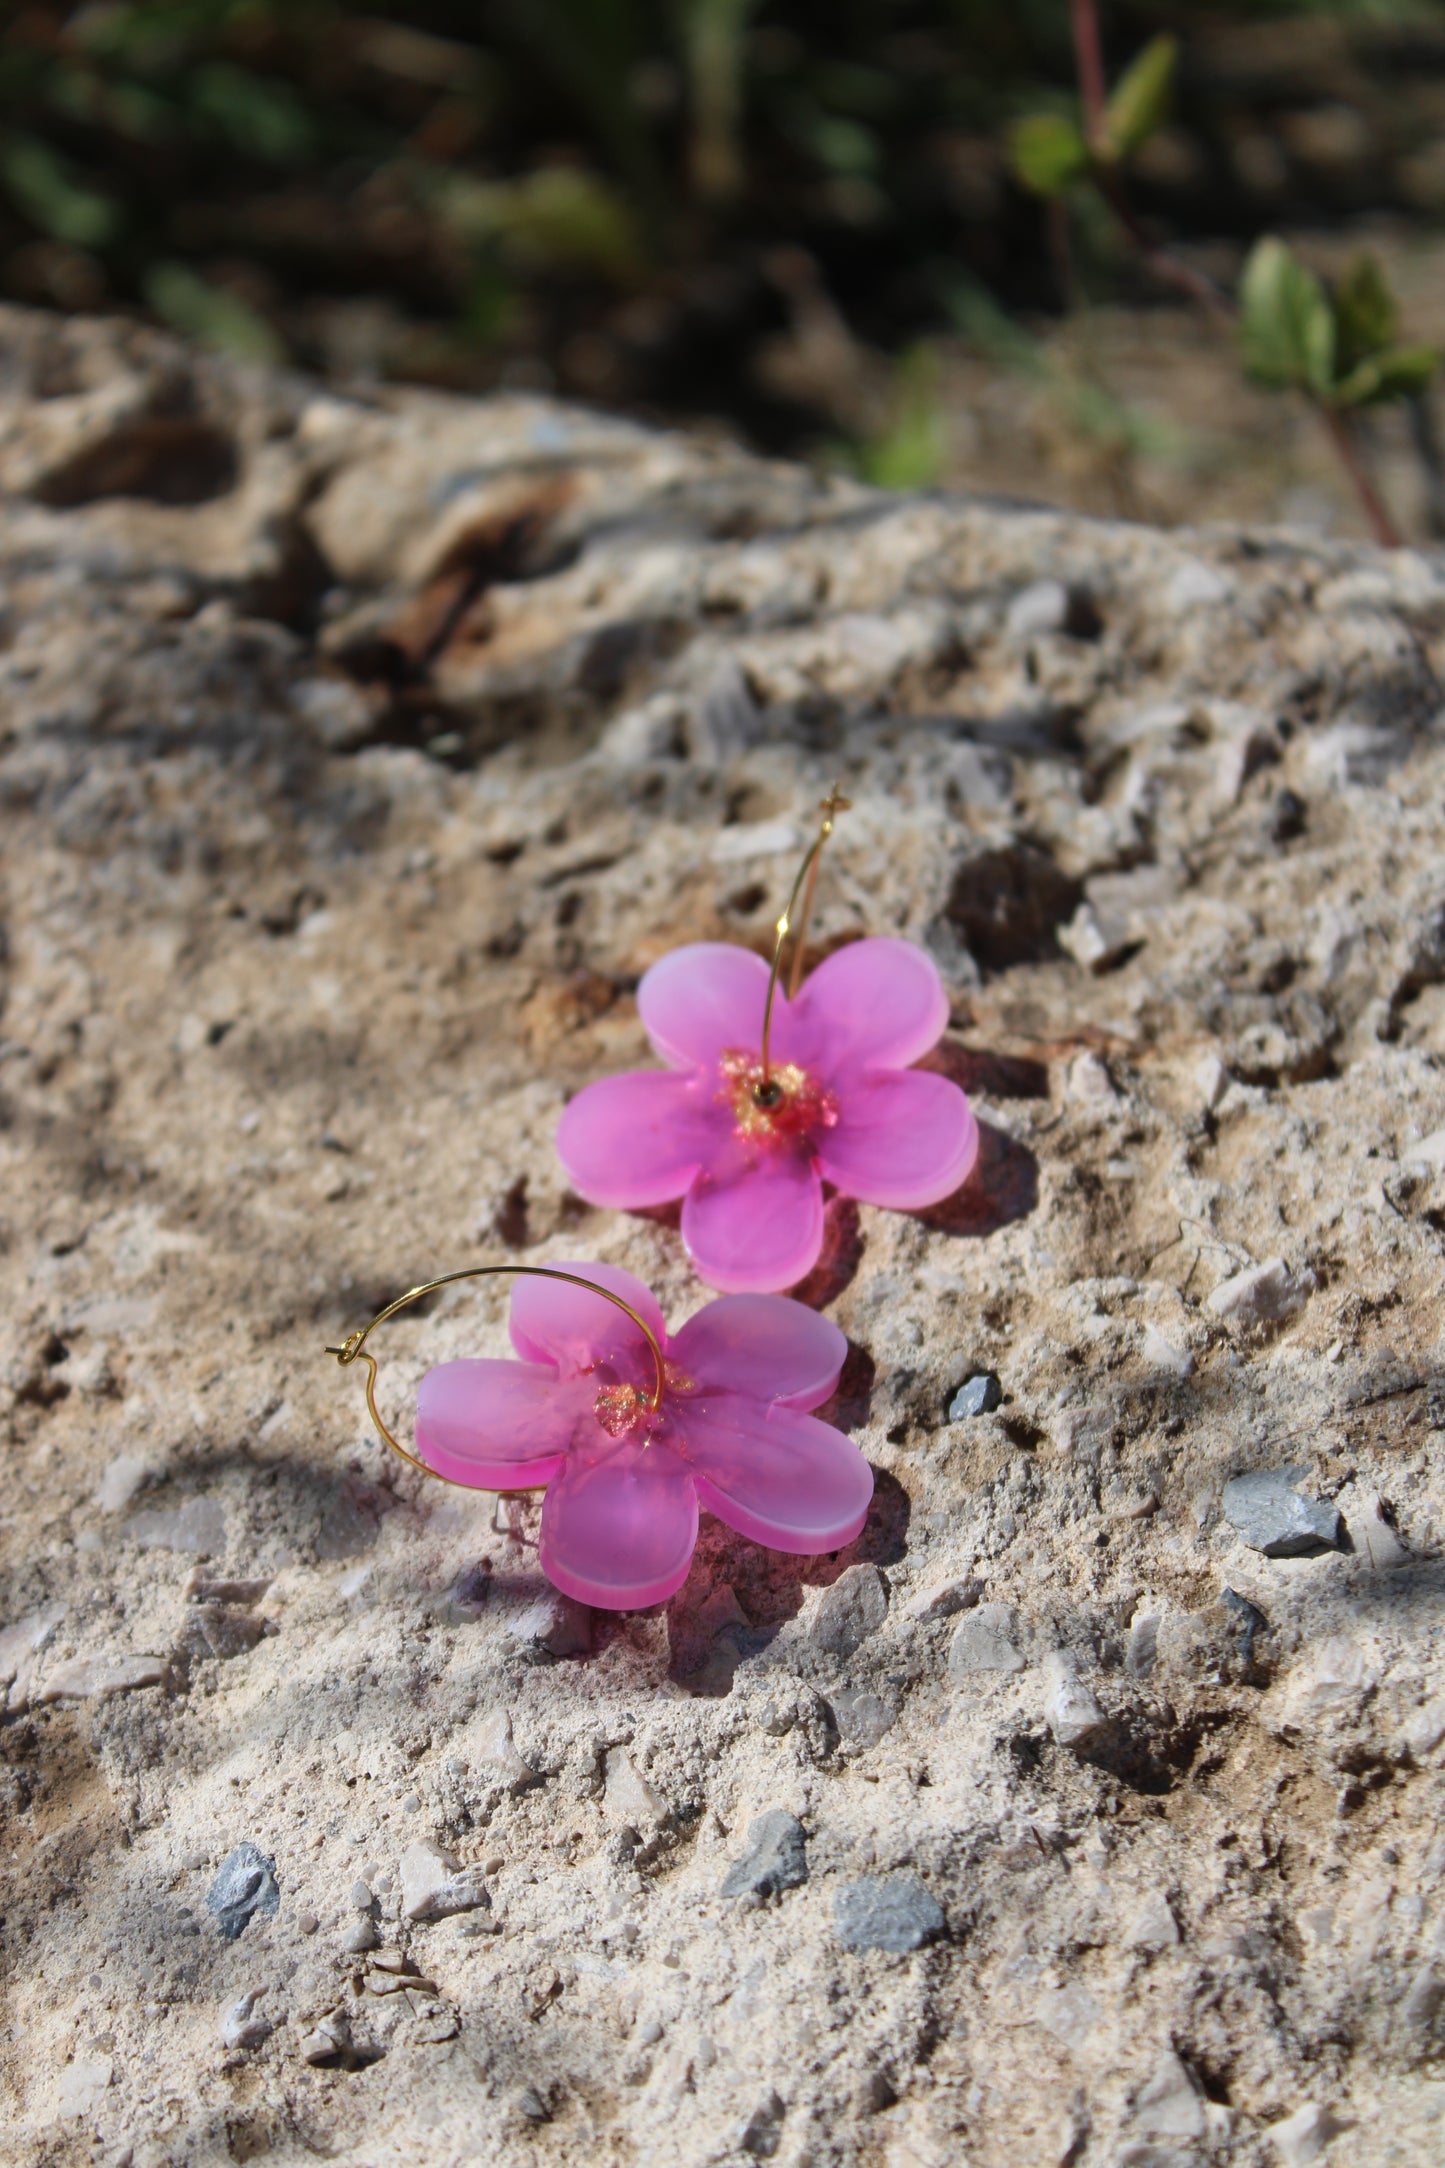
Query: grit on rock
[(356, 760)]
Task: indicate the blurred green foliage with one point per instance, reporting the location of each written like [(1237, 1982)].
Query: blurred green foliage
[(607, 193), (1339, 346)]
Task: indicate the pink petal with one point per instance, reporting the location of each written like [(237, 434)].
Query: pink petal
[(783, 1478), (764, 1346), (495, 1425), (903, 1140), (639, 1138), (755, 1220), (697, 1000), (619, 1525), (553, 1322), (877, 1004)]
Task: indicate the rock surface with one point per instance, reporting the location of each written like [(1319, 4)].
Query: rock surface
[(356, 757)]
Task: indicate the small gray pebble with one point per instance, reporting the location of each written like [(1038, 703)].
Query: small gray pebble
[(242, 2027), (1249, 1619), (978, 1395), (776, 1857), (361, 1897), (886, 1912), (981, 1646), (863, 1718), (854, 1607), (244, 1886), (1275, 1519), (362, 1936)]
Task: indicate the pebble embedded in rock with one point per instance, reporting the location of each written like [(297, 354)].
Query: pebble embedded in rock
[(245, 1887), (853, 1608), (471, 1589), (776, 1857), (863, 1718), (1248, 1621), (219, 1629), (242, 2025), (199, 1526), (122, 1478), (978, 1395), (1153, 1926), (943, 1599), (1301, 2139), (627, 1795), (1211, 1080), (330, 2040), (1089, 1081), (1169, 2104), (1040, 608), (497, 1749), (96, 1678), (360, 1938), (886, 1912), (1371, 1533), (553, 1626), (1071, 1710), (981, 1649), (22, 1642), (1264, 1294), (1274, 1518), (434, 1884)]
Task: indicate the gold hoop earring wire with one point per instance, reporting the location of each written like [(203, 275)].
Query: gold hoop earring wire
[(354, 1348), (765, 1092)]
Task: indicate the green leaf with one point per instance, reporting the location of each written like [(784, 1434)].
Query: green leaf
[(1286, 324), (1141, 97), (912, 451), (46, 190), (1048, 153), (1396, 372), (556, 218), (210, 314), (1366, 317), (260, 116)]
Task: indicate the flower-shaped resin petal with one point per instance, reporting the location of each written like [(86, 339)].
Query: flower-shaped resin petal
[(775, 1352), (619, 1525), (625, 1480), (785, 1479), (754, 1219), (748, 1153)]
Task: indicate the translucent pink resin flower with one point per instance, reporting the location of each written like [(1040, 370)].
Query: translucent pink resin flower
[(850, 1111), (624, 1484)]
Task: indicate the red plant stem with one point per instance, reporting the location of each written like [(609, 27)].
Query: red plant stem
[(1342, 437), (1167, 268), (1089, 59)]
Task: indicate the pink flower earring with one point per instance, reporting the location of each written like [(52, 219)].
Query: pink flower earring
[(767, 1095), (631, 1433)]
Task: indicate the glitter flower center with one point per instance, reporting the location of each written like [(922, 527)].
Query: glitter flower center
[(792, 1103), (622, 1409)]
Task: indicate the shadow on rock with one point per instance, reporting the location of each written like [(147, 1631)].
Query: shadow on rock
[(1003, 1188), (839, 1258), (986, 1075), (738, 1595)]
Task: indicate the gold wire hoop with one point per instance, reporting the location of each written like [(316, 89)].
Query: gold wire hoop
[(354, 1345), (765, 1092)]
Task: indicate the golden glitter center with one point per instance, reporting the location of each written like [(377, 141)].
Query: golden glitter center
[(621, 1409), (791, 1104)]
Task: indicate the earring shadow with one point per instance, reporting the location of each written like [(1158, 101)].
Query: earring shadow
[(1002, 1189)]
